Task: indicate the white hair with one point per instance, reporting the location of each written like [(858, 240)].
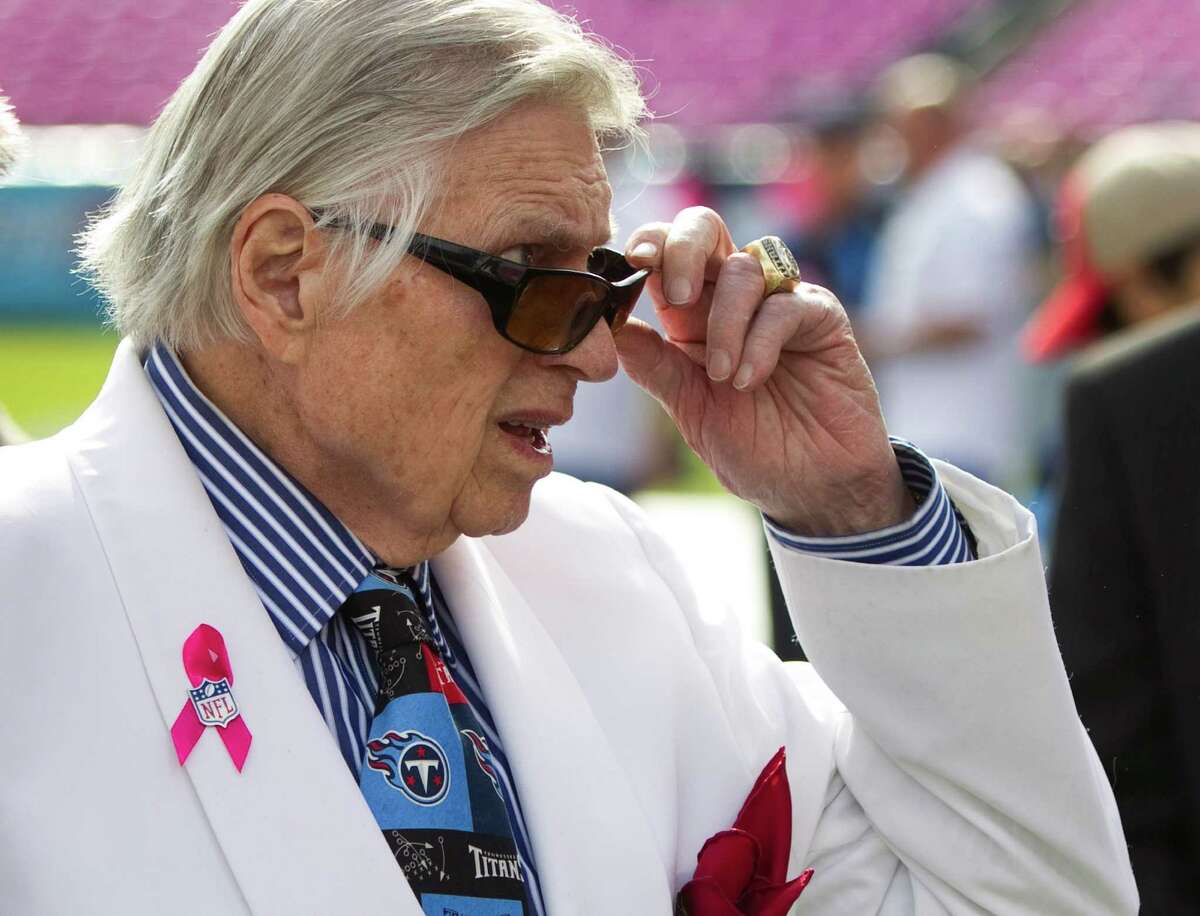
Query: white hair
[(350, 107), (11, 141)]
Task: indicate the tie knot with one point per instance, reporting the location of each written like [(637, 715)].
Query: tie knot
[(386, 609)]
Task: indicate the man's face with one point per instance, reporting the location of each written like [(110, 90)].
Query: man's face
[(415, 395)]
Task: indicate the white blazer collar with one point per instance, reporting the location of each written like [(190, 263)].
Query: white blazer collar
[(594, 847), (293, 825)]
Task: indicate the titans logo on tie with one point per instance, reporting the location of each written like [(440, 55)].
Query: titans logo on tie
[(413, 763)]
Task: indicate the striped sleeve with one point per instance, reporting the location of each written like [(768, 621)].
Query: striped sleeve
[(935, 536)]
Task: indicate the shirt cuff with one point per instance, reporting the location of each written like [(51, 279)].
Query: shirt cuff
[(936, 536)]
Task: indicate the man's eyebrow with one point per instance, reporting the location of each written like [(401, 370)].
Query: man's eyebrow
[(558, 234)]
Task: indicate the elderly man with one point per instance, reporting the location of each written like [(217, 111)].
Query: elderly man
[(299, 576)]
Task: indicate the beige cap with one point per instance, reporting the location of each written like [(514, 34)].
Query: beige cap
[(1140, 191), (1132, 197)]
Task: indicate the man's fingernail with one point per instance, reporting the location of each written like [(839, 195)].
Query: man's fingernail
[(719, 365), (644, 250), (742, 379), (679, 291)]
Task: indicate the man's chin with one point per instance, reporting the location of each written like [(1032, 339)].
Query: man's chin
[(502, 514)]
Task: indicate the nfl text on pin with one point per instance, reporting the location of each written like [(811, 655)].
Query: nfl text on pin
[(210, 701)]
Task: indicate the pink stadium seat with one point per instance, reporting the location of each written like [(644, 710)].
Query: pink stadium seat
[(1105, 63), (82, 61)]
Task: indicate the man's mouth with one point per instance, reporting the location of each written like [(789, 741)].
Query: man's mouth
[(538, 437)]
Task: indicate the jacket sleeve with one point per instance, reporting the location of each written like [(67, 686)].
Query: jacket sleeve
[(962, 751), (960, 780)]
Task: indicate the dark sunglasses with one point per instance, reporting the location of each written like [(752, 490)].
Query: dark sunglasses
[(541, 309)]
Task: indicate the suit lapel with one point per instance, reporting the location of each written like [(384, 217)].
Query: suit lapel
[(294, 828), (594, 847)]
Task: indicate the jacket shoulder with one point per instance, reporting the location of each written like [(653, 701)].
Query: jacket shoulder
[(1165, 347), (568, 508), (41, 507), (1143, 381), (35, 479), (596, 544)]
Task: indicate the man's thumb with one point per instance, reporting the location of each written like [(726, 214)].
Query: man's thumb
[(654, 364)]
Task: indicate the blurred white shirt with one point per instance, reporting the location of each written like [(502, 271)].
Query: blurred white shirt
[(958, 245)]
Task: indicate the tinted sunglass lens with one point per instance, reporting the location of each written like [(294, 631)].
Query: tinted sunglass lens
[(621, 315), (554, 313)]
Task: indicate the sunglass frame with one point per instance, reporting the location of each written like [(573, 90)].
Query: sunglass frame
[(501, 281)]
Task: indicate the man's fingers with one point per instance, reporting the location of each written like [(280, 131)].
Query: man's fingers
[(660, 367), (774, 324), (687, 252), (645, 246), (697, 242), (687, 325), (738, 294), (807, 319), (645, 250)]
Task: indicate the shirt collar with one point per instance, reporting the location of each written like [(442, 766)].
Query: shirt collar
[(301, 559)]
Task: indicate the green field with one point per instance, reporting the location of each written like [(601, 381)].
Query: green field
[(50, 373)]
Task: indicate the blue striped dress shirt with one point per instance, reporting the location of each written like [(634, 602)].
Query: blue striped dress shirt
[(304, 563), (936, 536)]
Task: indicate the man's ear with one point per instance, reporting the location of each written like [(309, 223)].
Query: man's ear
[(277, 259)]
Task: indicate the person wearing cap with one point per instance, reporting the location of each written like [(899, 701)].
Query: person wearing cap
[(950, 283), (1129, 215), (1125, 576)]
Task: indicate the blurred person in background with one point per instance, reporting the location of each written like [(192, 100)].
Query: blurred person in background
[(1040, 152), (836, 248), (951, 282), (834, 244), (1125, 571), (1124, 216), (11, 145)]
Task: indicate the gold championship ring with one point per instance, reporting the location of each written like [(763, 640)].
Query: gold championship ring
[(779, 266)]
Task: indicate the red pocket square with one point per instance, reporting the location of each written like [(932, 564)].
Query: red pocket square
[(743, 871)]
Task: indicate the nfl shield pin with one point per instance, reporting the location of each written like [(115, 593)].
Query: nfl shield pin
[(214, 702), (210, 699)]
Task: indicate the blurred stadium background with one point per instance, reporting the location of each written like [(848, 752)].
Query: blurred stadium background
[(739, 89), (731, 80)]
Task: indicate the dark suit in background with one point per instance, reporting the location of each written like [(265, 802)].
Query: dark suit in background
[(1125, 591)]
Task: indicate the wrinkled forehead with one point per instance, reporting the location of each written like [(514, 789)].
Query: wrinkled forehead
[(534, 176)]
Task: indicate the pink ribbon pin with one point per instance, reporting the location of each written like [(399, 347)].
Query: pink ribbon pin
[(210, 699)]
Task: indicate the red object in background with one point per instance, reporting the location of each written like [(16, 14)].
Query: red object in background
[(1069, 317), (743, 871)]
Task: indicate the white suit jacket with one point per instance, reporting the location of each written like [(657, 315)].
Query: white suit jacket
[(935, 758)]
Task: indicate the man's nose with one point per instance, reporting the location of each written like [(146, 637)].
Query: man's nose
[(595, 359)]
